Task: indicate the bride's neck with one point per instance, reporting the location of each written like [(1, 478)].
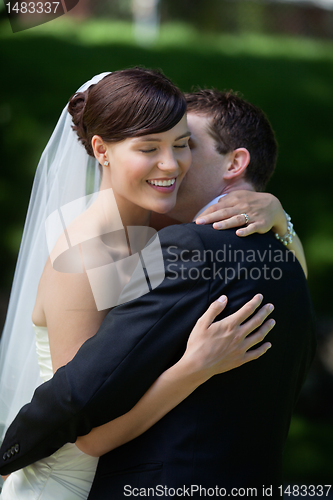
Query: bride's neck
[(111, 205)]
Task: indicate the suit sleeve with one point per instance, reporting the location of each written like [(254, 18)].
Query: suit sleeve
[(135, 344)]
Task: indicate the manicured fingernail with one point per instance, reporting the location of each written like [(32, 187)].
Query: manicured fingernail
[(200, 221), (270, 345), (222, 299), (240, 232), (270, 307), (217, 225), (260, 296), (272, 322)]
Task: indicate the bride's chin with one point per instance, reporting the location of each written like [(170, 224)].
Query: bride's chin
[(161, 208)]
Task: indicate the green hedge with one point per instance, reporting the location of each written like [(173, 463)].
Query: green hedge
[(291, 79)]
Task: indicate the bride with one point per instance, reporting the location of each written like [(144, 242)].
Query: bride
[(78, 223)]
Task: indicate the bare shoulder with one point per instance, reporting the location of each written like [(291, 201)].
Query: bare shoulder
[(64, 286), (62, 292), (66, 305)]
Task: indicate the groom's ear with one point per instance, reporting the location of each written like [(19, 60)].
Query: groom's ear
[(238, 161)]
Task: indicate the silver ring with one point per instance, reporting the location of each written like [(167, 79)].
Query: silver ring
[(247, 219)]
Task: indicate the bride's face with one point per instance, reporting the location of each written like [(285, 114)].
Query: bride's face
[(139, 165)]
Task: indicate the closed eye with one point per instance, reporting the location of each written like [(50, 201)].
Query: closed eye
[(183, 145), (147, 150)]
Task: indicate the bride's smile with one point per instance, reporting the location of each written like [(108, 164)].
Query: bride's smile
[(165, 184)]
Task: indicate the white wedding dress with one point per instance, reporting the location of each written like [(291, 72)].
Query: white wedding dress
[(65, 475)]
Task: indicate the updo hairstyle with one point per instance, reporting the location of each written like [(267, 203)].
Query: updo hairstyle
[(127, 103)]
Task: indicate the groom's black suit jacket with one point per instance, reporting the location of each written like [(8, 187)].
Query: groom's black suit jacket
[(231, 431)]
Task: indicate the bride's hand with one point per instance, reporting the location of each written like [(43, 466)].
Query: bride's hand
[(264, 210), (218, 347), (212, 348)]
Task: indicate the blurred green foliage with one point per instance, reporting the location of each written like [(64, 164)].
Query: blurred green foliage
[(308, 453), (290, 79)]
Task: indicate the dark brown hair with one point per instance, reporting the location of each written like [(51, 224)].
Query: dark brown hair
[(127, 103), (235, 123)]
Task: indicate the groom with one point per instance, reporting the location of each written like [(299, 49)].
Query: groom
[(227, 437)]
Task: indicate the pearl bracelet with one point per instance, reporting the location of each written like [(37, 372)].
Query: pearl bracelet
[(287, 238)]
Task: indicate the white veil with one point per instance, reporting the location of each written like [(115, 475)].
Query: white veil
[(64, 174)]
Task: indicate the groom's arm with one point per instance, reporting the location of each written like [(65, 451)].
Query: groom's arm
[(135, 344)]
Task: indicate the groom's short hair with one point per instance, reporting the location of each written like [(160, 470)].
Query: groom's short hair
[(235, 123)]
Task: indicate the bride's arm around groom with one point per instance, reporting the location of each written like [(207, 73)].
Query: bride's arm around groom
[(142, 338)]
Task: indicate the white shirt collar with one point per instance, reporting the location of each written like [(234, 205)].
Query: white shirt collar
[(209, 204)]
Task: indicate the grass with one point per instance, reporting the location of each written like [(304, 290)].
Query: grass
[(96, 32)]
